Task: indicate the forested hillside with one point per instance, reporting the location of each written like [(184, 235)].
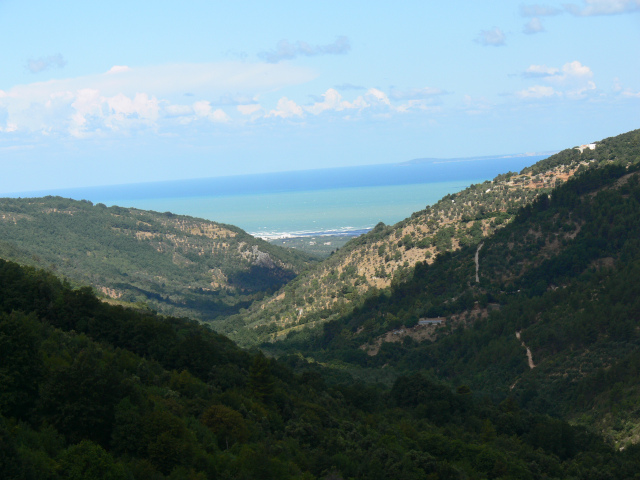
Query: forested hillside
[(175, 264), (91, 390), (387, 255), (545, 310)]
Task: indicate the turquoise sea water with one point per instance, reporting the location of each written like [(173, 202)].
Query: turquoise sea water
[(347, 200), (271, 215)]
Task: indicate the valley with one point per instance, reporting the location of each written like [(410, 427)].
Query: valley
[(493, 334)]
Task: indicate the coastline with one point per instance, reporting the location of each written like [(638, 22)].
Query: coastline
[(342, 232)]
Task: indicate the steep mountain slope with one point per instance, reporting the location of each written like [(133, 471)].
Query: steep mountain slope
[(388, 254), (91, 390), (548, 313), (176, 264)]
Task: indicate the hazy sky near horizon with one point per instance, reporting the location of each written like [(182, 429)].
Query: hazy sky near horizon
[(99, 93)]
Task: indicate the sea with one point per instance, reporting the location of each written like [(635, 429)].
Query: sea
[(333, 201)]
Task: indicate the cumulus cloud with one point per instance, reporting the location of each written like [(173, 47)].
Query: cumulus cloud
[(571, 71), (375, 101), (572, 80), (603, 7), (332, 100), (45, 63), (141, 105), (203, 109), (287, 51), (378, 96), (533, 26), (124, 99), (92, 112), (128, 100), (494, 37), (286, 108), (87, 106)]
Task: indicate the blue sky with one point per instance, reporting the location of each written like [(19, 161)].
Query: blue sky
[(95, 93)]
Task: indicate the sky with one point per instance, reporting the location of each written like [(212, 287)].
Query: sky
[(101, 93)]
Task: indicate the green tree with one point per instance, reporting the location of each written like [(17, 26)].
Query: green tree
[(227, 424), (88, 461)]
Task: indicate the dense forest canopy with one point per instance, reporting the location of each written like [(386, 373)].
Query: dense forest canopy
[(91, 390)]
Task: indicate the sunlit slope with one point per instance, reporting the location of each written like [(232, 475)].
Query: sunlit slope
[(387, 254)]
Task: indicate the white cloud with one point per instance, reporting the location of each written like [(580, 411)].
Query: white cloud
[(126, 98), (625, 92), (287, 51), (571, 71), (286, 108), (576, 69), (11, 127), (219, 116), (573, 80), (203, 109), (87, 104), (534, 71), (374, 100), (45, 63), (533, 26), (377, 96), (494, 37), (332, 101), (603, 7), (125, 112), (537, 91)]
